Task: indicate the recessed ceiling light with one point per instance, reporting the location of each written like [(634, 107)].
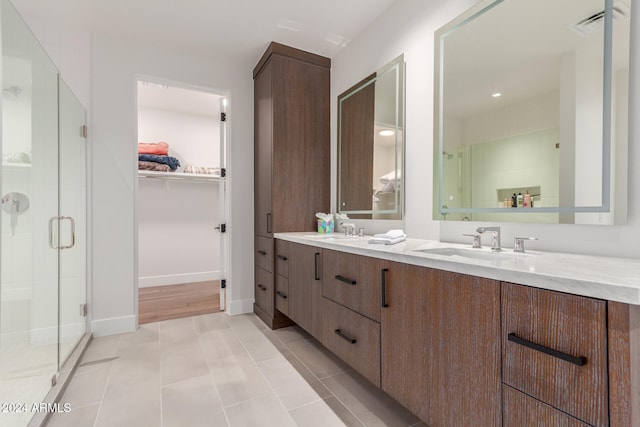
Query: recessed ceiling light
[(496, 95), (386, 132)]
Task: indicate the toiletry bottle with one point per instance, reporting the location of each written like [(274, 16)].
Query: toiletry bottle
[(527, 200), (520, 200), (514, 201)]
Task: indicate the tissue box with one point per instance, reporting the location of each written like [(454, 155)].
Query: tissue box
[(325, 227)]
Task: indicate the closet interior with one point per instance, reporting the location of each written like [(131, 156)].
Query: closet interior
[(179, 201)]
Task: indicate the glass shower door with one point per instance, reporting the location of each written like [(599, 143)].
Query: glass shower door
[(72, 241), (29, 190)]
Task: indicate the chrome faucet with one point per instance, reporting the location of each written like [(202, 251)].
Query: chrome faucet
[(349, 228), (495, 239)]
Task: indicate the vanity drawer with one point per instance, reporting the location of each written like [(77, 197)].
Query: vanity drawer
[(522, 410), (264, 289), (282, 258), (353, 338), (264, 252), (282, 294), (354, 281), (554, 348)]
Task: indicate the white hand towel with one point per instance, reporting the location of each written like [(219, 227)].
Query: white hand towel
[(387, 240), (391, 234)]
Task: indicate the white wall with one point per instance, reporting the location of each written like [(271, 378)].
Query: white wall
[(115, 68), (413, 23)]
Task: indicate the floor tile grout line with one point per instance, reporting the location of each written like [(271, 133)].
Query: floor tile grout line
[(106, 385)]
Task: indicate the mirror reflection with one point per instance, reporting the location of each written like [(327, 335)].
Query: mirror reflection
[(531, 112), (370, 145)]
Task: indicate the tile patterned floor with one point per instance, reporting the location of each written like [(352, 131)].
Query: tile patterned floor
[(219, 370)]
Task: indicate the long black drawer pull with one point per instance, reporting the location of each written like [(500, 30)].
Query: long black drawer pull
[(383, 285), (262, 252), (316, 272), (345, 337), (282, 257), (345, 280), (281, 294), (576, 360), (262, 287), (269, 223)]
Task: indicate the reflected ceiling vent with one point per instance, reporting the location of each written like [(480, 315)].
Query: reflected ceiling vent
[(595, 23)]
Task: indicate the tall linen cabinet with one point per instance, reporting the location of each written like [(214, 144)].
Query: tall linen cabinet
[(291, 157)]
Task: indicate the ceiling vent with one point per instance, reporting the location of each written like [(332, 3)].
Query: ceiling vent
[(595, 22)]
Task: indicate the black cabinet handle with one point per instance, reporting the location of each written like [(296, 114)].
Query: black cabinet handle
[(316, 272), (383, 287), (281, 294), (345, 280), (576, 360), (282, 257), (345, 337), (262, 252), (262, 287), (268, 223)]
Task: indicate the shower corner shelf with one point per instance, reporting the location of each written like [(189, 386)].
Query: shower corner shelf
[(16, 165), (179, 176)]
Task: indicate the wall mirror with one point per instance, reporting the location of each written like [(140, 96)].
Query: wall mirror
[(531, 112), (371, 145)]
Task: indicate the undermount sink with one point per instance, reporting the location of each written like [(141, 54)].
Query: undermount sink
[(471, 253)]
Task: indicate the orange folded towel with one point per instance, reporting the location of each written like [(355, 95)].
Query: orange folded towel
[(159, 148)]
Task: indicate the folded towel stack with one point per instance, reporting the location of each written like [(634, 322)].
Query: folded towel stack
[(391, 237), (155, 156)]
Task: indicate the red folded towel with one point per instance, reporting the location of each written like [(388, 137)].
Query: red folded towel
[(159, 148)]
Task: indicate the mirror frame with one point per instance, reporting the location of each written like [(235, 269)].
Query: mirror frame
[(398, 65), (438, 146)]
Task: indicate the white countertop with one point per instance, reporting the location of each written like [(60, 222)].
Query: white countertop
[(613, 279)]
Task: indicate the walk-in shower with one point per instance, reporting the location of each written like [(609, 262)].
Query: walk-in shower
[(42, 223)]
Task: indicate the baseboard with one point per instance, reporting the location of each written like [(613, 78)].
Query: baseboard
[(116, 325), (240, 307), (174, 279)]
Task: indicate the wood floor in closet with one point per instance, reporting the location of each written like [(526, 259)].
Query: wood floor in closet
[(174, 301)]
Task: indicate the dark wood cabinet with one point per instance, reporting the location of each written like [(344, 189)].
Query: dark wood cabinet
[(305, 288), (440, 345), (554, 349), (291, 147)]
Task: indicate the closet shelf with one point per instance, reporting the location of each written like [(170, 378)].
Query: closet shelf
[(179, 176)]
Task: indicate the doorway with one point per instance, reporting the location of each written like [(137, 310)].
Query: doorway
[(181, 197)]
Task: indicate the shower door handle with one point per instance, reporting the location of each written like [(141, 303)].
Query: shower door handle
[(73, 231), (52, 243)]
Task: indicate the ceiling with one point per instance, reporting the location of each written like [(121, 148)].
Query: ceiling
[(238, 30)]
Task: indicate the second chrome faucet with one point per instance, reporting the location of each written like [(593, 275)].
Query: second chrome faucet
[(495, 236)]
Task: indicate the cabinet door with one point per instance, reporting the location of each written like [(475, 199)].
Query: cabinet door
[(353, 281), (305, 287), (263, 147), (301, 144), (544, 335), (440, 341), (522, 410)]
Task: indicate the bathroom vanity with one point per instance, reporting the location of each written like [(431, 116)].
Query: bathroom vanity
[(465, 336)]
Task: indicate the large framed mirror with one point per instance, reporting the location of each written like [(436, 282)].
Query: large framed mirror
[(531, 112), (371, 145)]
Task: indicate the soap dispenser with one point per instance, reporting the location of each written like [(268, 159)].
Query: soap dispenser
[(527, 200)]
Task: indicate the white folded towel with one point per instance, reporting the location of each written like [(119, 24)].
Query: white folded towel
[(391, 237), (391, 234), (387, 240)]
